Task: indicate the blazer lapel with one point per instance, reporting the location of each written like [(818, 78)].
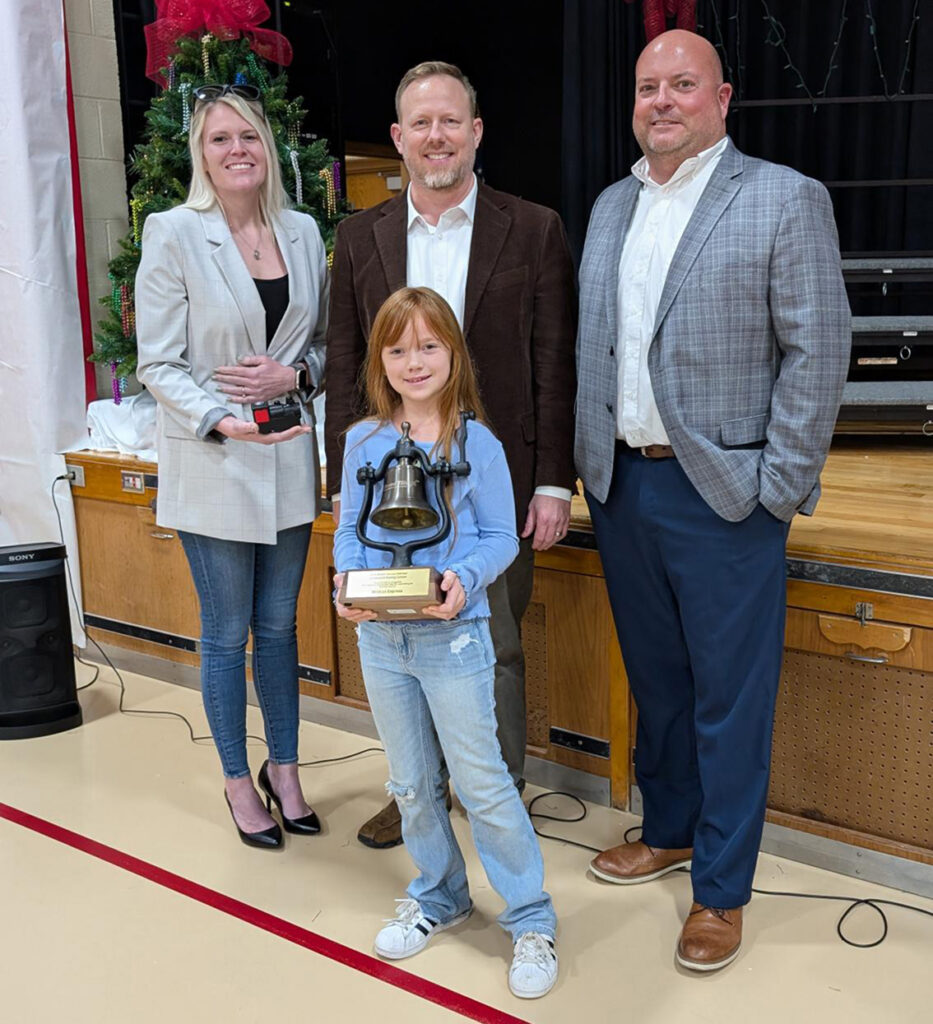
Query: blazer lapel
[(299, 275), (390, 233), (235, 274), (490, 229), (618, 229), (718, 194)]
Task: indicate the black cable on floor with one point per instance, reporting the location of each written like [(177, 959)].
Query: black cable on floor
[(138, 711), (854, 901)]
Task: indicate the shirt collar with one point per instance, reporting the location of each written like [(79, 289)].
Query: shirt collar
[(467, 205), (687, 170)]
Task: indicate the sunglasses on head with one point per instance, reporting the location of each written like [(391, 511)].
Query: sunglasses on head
[(209, 93)]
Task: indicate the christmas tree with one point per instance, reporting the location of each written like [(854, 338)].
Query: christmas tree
[(232, 51)]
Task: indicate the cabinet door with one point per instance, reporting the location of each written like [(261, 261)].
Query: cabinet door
[(133, 571), (872, 643), (316, 618)]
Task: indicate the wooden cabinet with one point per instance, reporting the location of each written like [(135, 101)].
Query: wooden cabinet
[(853, 739), (139, 595), (137, 588), (853, 750), (576, 692)]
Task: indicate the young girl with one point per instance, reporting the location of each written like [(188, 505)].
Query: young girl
[(430, 681)]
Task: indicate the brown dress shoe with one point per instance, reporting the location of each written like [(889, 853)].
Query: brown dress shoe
[(636, 862), (710, 938), (384, 830)]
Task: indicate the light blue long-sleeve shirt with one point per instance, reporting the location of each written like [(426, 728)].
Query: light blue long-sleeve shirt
[(482, 545)]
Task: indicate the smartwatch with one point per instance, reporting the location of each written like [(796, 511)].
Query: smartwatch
[(302, 377)]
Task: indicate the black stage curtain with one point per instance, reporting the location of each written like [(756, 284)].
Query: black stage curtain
[(774, 51)]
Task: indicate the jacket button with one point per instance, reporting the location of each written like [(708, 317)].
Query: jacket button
[(609, 407), (612, 351)]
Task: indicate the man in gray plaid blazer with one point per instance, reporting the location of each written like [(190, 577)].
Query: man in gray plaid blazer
[(712, 349)]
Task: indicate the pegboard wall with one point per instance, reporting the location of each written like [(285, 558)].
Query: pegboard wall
[(853, 746)]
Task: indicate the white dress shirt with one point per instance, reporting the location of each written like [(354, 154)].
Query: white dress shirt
[(661, 215), (439, 254)]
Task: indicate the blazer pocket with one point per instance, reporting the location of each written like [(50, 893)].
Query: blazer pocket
[(745, 430), (507, 279), (175, 428)]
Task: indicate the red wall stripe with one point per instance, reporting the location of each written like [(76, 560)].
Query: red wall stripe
[(375, 968), (84, 299)]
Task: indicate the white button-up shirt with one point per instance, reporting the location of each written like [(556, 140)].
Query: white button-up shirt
[(661, 215), (439, 254)]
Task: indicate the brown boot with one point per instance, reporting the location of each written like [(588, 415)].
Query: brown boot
[(710, 939), (636, 862), (384, 830)]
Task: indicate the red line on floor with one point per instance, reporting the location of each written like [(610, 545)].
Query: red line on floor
[(411, 983)]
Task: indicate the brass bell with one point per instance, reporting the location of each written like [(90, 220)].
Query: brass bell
[(403, 505)]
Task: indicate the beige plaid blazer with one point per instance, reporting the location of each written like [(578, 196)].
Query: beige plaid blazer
[(197, 308)]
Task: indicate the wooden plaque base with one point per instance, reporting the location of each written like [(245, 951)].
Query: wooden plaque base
[(392, 593)]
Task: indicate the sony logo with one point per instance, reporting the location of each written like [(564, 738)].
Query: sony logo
[(22, 558)]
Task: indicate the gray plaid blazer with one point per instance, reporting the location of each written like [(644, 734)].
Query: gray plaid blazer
[(751, 342)]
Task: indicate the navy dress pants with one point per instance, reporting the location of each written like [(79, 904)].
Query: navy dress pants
[(699, 608)]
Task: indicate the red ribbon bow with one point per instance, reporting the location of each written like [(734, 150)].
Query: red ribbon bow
[(225, 19), (658, 11)]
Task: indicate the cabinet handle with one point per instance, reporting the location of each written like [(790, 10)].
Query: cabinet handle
[(852, 656), (161, 536)]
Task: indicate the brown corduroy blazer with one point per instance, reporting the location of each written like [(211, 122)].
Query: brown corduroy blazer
[(520, 319)]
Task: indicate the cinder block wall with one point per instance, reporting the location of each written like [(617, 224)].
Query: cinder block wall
[(95, 81)]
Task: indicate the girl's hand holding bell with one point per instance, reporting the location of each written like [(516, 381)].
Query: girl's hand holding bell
[(453, 602), (353, 614)]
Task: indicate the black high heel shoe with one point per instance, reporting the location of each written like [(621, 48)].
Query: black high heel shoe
[(306, 826), (268, 839)]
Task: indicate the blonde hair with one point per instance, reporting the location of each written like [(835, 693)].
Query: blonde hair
[(460, 392), (201, 193), (428, 69)]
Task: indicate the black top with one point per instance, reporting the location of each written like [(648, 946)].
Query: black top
[(274, 295)]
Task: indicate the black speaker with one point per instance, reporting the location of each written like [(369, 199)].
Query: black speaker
[(37, 672)]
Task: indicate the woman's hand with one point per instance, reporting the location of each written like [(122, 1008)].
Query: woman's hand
[(353, 614), (255, 379), (242, 430), (453, 602)]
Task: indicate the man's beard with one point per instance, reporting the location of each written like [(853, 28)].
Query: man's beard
[(445, 177)]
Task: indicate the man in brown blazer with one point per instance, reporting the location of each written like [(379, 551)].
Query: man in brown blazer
[(504, 267)]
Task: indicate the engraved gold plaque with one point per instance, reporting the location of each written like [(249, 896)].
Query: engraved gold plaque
[(401, 593)]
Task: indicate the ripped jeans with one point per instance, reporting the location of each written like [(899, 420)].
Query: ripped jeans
[(431, 681)]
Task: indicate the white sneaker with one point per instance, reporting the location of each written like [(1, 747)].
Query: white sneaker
[(534, 966), (408, 932)]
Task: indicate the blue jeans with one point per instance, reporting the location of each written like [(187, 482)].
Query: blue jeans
[(242, 586), (431, 681)]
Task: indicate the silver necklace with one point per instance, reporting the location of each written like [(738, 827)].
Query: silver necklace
[(257, 255)]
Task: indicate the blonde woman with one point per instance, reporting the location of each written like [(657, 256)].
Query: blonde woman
[(231, 308)]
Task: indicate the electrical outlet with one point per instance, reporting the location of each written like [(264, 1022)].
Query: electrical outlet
[(76, 475), (135, 483)]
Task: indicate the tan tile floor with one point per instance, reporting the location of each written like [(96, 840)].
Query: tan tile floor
[(83, 941)]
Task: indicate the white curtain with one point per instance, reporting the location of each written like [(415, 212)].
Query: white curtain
[(41, 353)]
